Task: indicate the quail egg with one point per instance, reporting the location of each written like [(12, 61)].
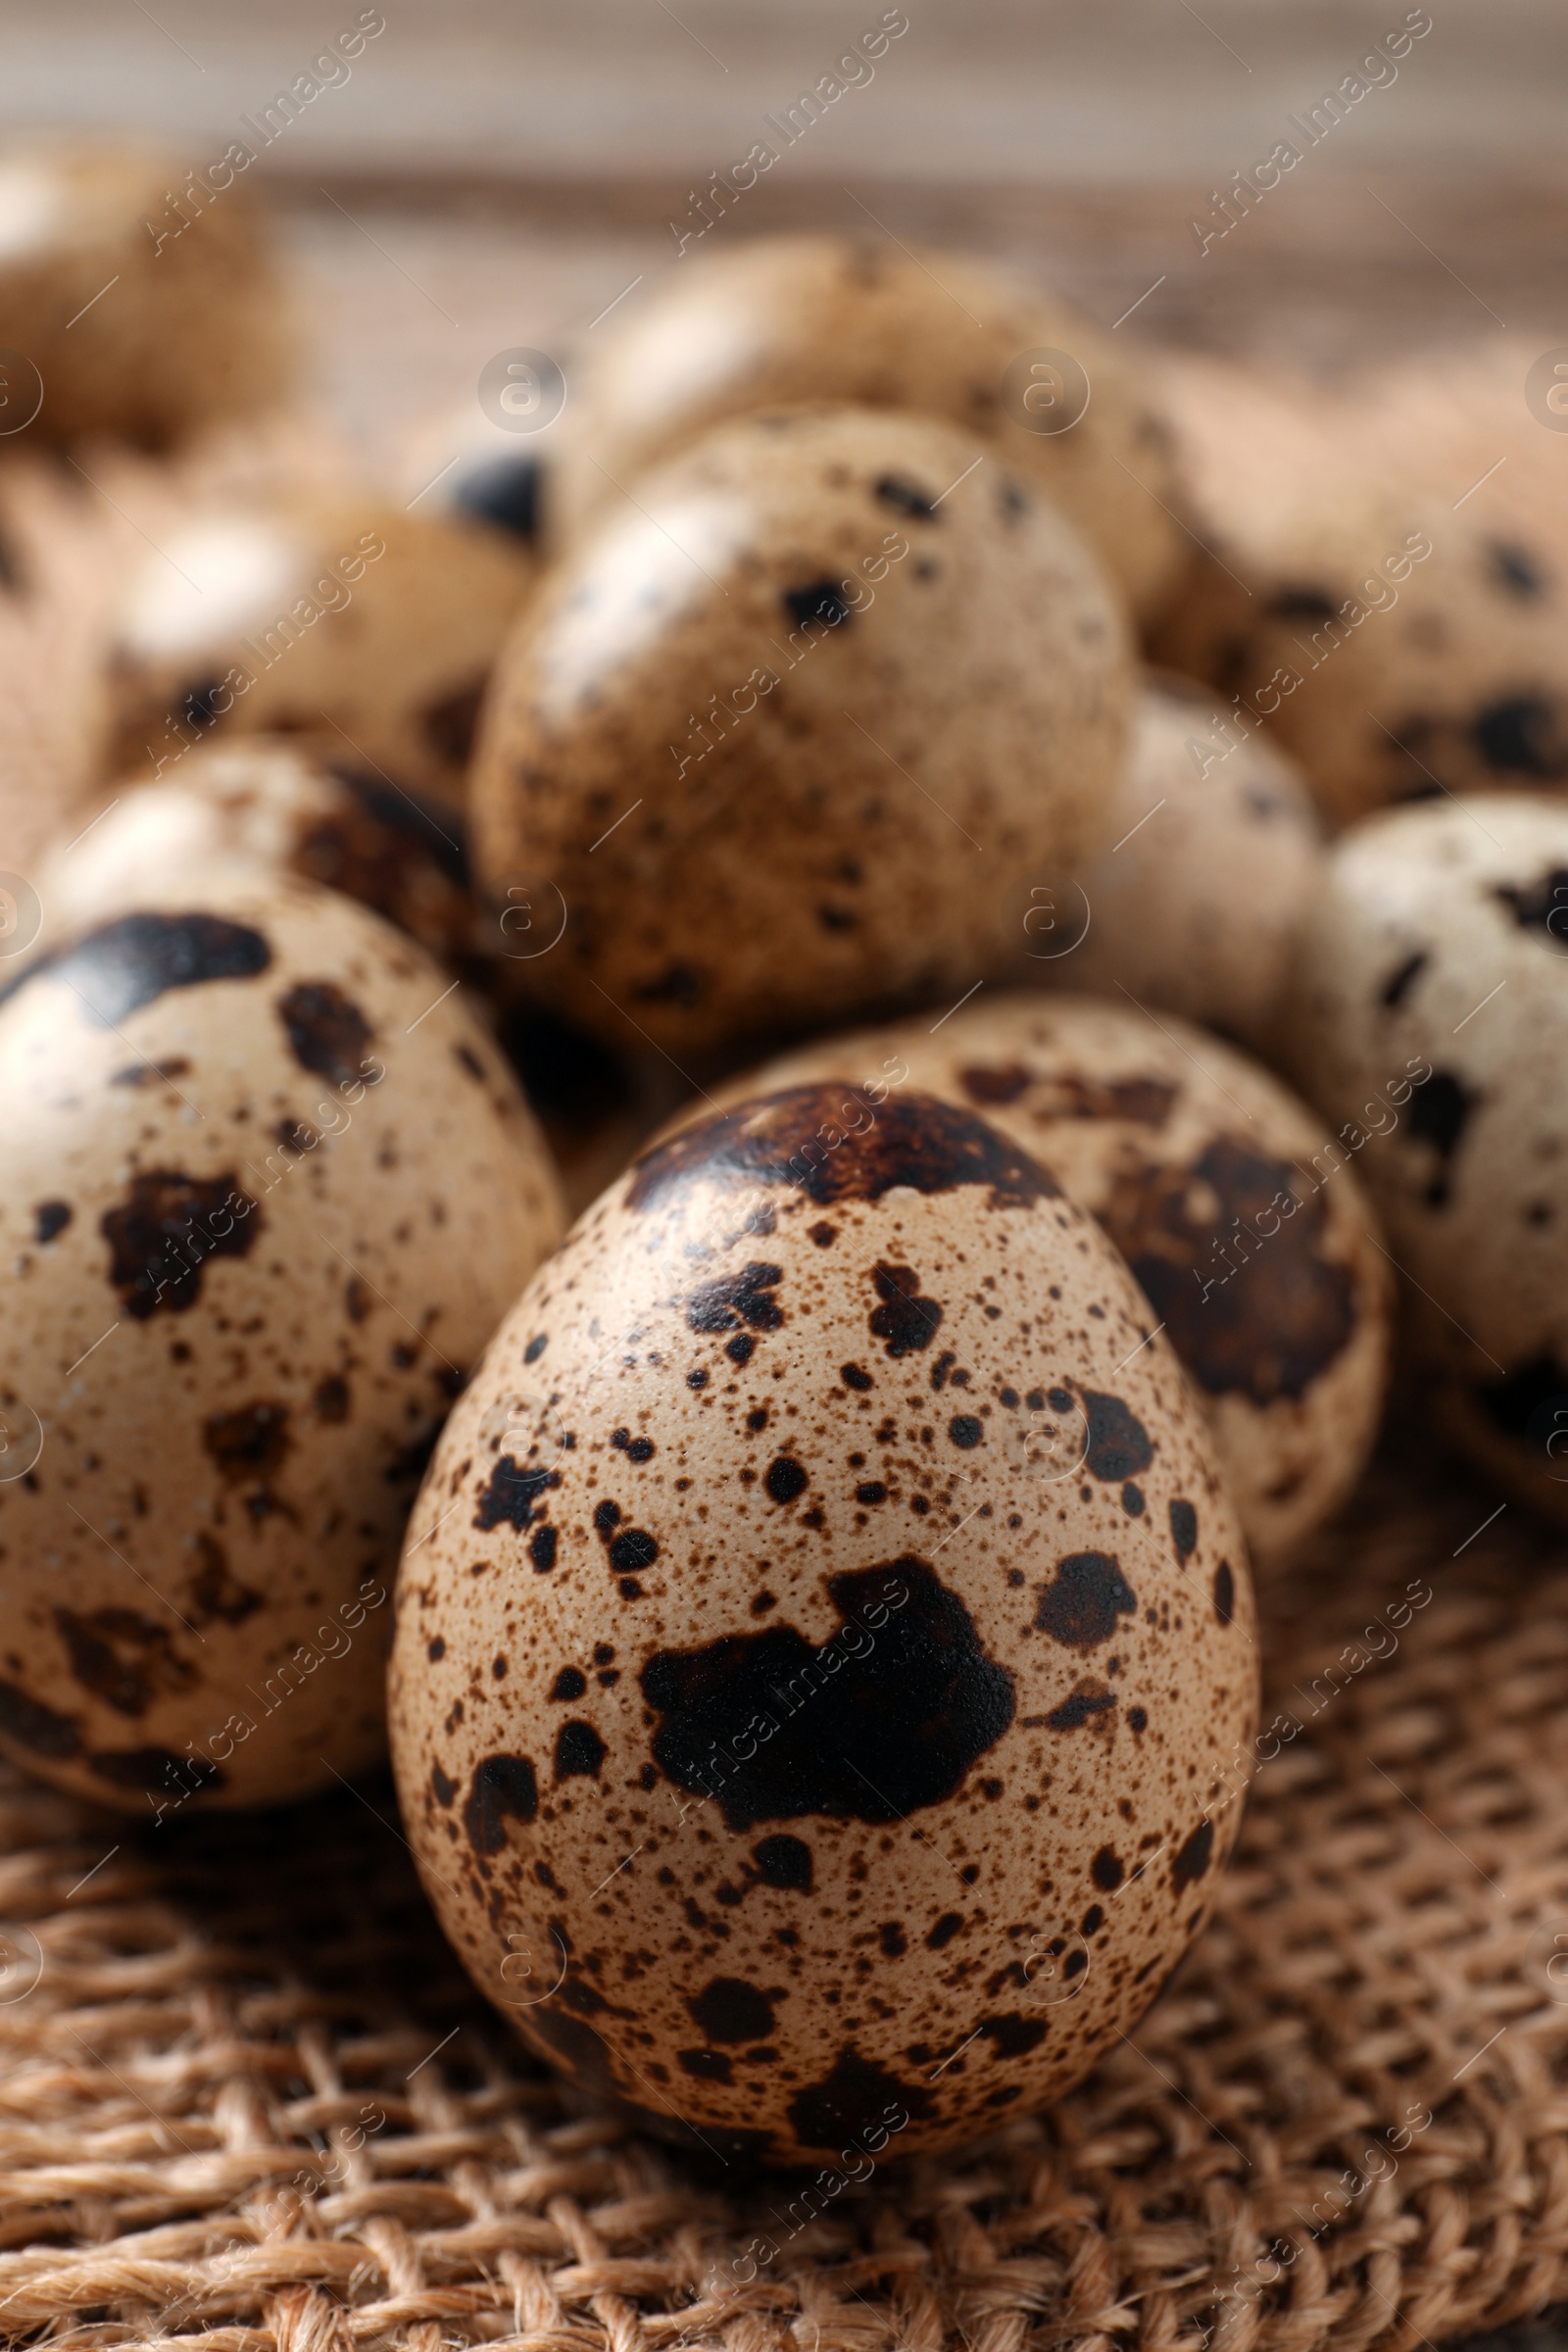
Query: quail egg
[(1431, 1031), (371, 628), (263, 1190), (1196, 904), (825, 1660), (783, 320), (138, 300), (776, 743)]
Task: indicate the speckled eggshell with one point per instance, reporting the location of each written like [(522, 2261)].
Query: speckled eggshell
[(1433, 1025), (1196, 906), (1191, 1156), (788, 737), (782, 321), (282, 805), (1392, 637), (825, 1650), (143, 321), (373, 629), (263, 1192)]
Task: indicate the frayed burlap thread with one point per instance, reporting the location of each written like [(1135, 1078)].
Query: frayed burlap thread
[(248, 2103)]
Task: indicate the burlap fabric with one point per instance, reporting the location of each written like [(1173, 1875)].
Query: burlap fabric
[(247, 2099)]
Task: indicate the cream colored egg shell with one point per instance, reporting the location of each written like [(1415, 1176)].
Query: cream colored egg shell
[(1239, 1213), (1432, 1016), (282, 805), (266, 1189), (1196, 904), (898, 1420)]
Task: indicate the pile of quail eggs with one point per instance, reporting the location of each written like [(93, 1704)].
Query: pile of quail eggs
[(1020, 1108)]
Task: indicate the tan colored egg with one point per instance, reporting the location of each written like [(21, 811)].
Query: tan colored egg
[(1196, 904), (373, 629), (780, 322), (284, 805), (791, 735), (138, 301), (1252, 1241), (264, 1186), (1393, 637), (825, 1668), (1431, 1031)]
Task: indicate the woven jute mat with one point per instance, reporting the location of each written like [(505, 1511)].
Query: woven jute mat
[(246, 2098)]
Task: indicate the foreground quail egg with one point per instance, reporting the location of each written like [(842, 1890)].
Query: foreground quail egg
[(283, 804), (1227, 1196), (1390, 636), (1431, 1031), (778, 740), (132, 306), (775, 322), (264, 1186), (824, 1661), (371, 628), (1196, 904)]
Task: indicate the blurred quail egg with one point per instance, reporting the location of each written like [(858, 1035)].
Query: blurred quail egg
[(132, 309), (373, 629), (783, 320), (1196, 904), (1392, 637)]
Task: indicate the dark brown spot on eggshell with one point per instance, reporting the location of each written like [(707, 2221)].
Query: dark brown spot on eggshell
[(1229, 1251), (736, 1299), (785, 1862), (215, 1589), (123, 1657), (856, 2096), (326, 1031), (511, 1497), (729, 2009), (1084, 1599), (912, 1139), (163, 1232), (50, 1218), (1082, 1706), (1192, 1856), (919, 1703), (126, 964), (248, 1443), (905, 1320), (1108, 1870), (578, 1750), (1118, 1444), (504, 1789)]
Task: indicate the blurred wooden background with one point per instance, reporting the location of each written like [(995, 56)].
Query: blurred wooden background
[(493, 172)]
